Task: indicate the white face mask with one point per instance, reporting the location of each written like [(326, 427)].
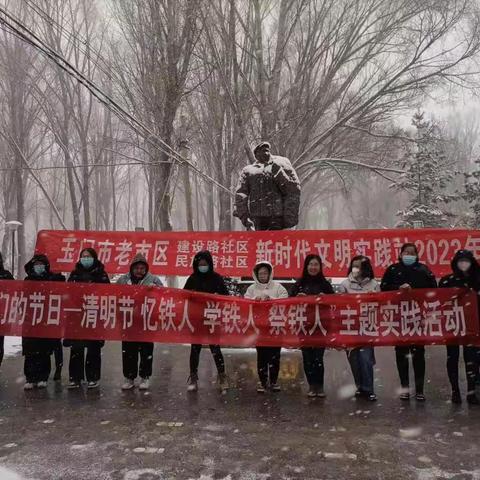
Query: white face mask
[(355, 271), (464, 265)]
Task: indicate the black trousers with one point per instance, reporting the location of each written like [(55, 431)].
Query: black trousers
[(471, 366), (2, 343), (268, 223), (313, 365), (131, 351), (89, 366), (195, 358), (418, 360), (268, 364), (37, 367)]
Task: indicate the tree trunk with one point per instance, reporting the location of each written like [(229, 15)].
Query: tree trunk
[(261, 81), (20, 214), (225, 211), (114, 198), (185, 153), (71, 188), (188, 198), (162, 176), (210, 208), (85, 185), (62, 137)]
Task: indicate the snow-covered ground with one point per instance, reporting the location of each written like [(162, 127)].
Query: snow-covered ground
[(166, 434), (6, 474), (13, 346)]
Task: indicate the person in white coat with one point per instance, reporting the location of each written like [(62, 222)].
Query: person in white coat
[(362, 359), (268, 358)]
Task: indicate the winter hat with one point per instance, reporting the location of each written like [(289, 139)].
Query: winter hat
[(260, 145)]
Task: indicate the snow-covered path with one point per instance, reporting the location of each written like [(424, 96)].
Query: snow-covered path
[(168, 434)]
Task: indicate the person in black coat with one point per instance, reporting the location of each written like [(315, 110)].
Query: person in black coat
[(205, 279), (465, 274), (88, 270), (406, 274), (37, 351), (313, 282), (4, 275)]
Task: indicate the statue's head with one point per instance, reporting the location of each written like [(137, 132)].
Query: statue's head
[(262, 152)]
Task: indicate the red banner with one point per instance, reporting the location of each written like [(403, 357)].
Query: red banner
[(124, 312), (235, 253)]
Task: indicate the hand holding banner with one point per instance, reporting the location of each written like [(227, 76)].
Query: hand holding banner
[(133, 313), (236, 253)]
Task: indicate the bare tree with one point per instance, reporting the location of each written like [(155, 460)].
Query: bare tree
[(322, 80), (160, 37), (72, 28), (324, 74), (21, 140)]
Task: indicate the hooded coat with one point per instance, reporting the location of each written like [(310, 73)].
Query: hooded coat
[(80, 274), (48, 276), (147, 280), (272, 289), (311, 285), (210, 282), (458, 278), (31, 345), (4, 274)]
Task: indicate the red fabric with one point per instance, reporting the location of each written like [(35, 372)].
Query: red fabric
[(235, 253), (125, 312)]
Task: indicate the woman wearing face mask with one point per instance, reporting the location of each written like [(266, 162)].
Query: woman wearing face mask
[(268, 358), (465, 274), (362, 359), (37, 351), (205, 279), (409, 273), (88, 270), (313, 282)]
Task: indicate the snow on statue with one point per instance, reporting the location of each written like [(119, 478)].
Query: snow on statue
[(268, 192)]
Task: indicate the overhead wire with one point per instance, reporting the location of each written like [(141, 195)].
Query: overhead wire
[(77, 38), (67, 167), (17, 27)]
